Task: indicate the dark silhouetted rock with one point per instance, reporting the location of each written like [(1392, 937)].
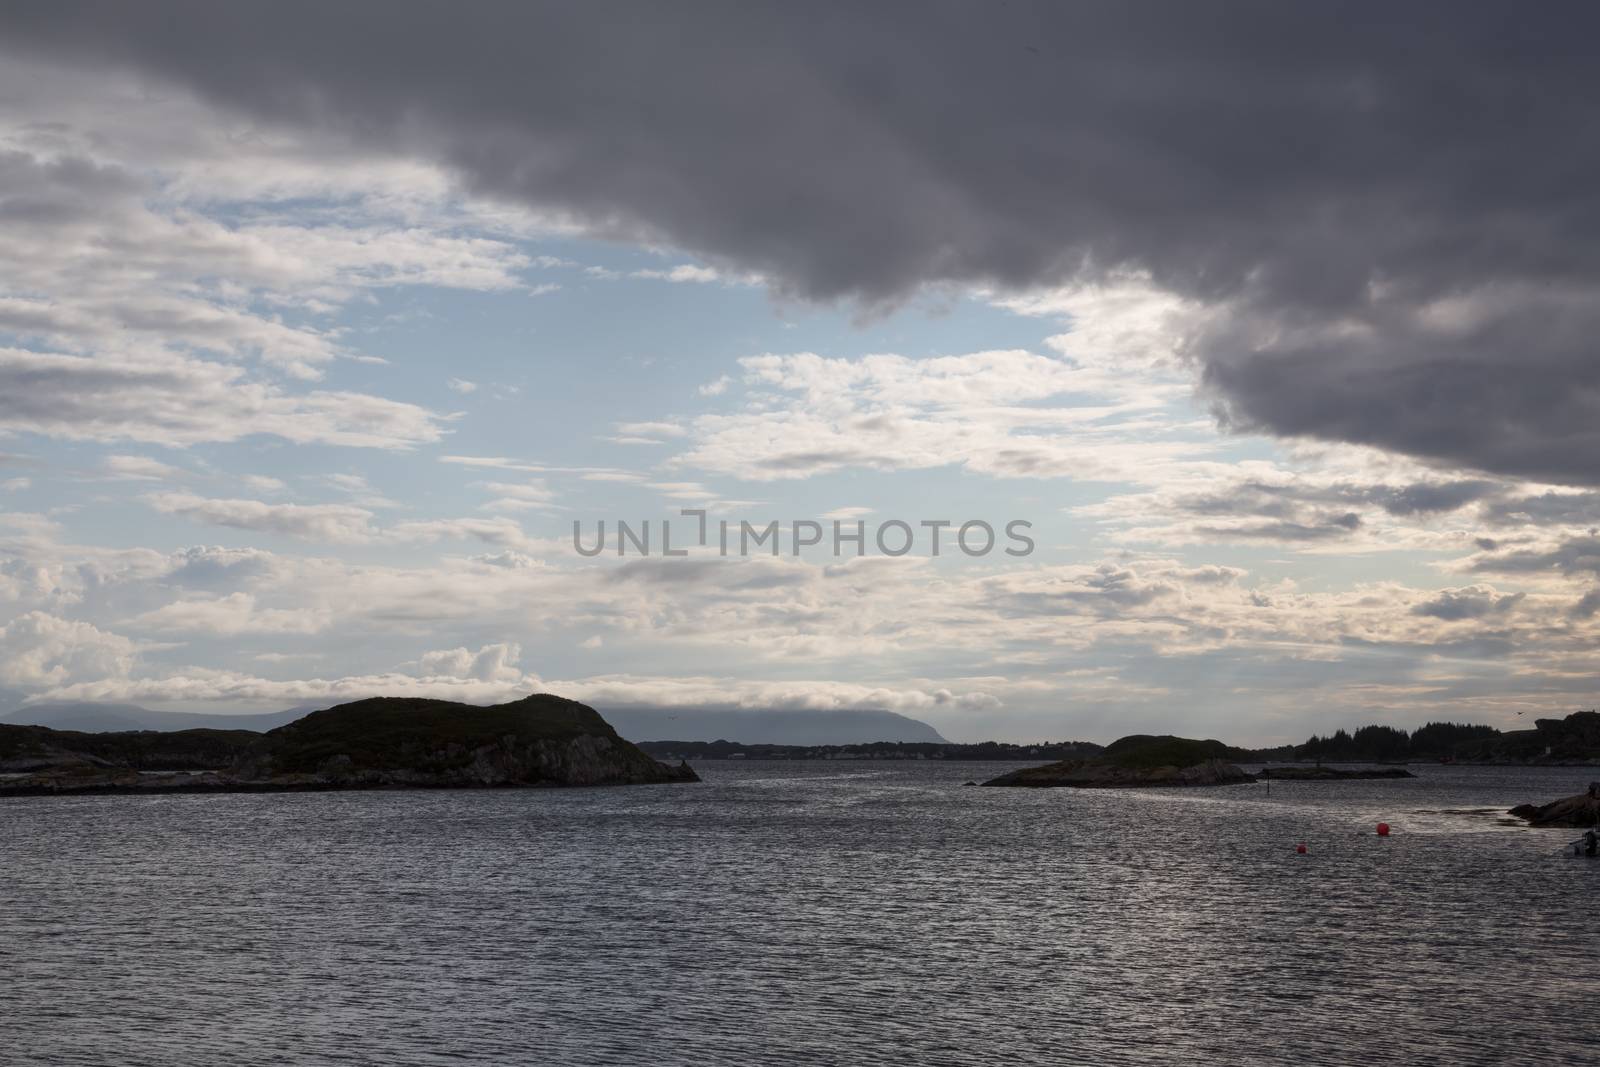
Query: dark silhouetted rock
[(1135, 761), (1580, 811), (384, 742)]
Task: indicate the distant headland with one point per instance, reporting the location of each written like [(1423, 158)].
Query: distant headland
[(384, 742), (1568, 741)]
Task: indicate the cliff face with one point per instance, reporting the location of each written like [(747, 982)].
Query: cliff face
[(542, 740)]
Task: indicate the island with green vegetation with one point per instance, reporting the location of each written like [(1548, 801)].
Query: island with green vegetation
[(1574, 739), (381, 743)]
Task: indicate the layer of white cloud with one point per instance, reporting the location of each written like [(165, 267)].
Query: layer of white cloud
[(181, 401), (1009, 414)]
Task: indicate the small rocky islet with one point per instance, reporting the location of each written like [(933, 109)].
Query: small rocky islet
[(1136, 761), (1145, 760), (380, 743)]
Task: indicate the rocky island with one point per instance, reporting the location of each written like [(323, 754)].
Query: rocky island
[(384, 742), (1135, 761), (1581, 811)]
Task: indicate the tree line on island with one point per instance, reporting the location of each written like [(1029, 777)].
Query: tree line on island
[(1575, 738)]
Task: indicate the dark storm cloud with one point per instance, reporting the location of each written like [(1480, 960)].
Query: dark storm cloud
[(1546, 509), (1426, 498), (1392, 211)]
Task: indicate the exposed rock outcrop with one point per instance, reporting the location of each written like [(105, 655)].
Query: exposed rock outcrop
[(1581, 811)]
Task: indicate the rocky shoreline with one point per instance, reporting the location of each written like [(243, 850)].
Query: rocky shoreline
[(1581, 811)]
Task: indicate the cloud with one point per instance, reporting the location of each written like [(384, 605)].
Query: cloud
[(646, 433), (685, 272), (139, 469), (37, 649), (517, 496), (490, 675), (688, 492), (492, 463), (499, 531), (1472, 602), (1118, 637), (197, 686), (1326, 501), (336, 524), (1010, 414), (1575, 554), (1337, 200), (461, 385), (234, 614), (811, 695), (331, 523), (491, 663), (171, 269), (716, 387), (184, 401), (94, 266)]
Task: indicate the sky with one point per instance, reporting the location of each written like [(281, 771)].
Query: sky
[(322, 327)]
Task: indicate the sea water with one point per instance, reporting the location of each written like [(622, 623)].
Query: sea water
[(803, 913)]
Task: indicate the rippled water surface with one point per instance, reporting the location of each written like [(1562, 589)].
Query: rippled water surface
[(817, 913)]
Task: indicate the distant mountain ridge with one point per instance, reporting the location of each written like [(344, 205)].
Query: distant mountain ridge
[(635, 723), (768, 727), (105, 718)]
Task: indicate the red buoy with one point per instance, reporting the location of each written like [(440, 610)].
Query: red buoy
[(1383, 829), (1301, 848)]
